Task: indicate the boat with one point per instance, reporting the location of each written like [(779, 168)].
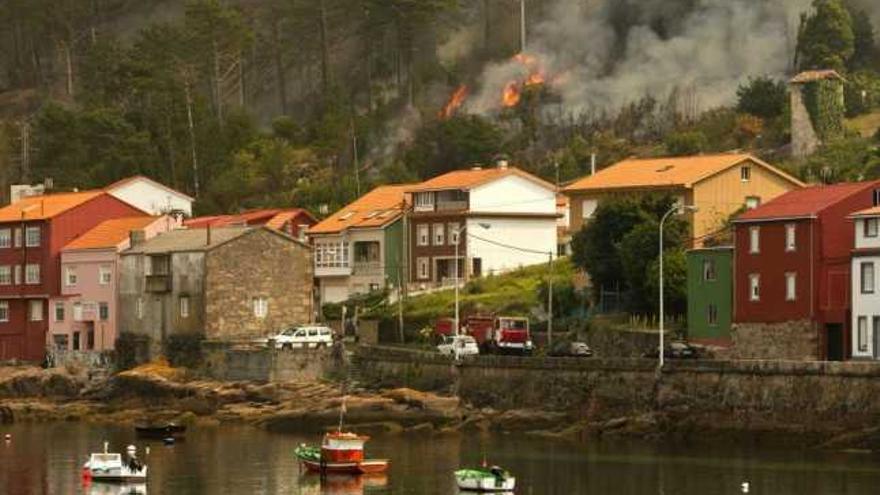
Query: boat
[(340, 452), (169, 430), (110, 467), (491, 479)]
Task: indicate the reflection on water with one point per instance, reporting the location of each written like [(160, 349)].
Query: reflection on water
[(46, 459), (115, 489)]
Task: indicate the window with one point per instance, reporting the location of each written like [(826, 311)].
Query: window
[(367, 252), (32, 237), (17, 274), (424, 201), (75, 341), (36, 310), (867, 277), (709, 270), (752, 202), (755, 240), (439, 234), (870, 227), (863, 333), (423, 269), (423, 235), (60, 341), (332, 255), (160, 264), (5, 274), (77, 311), (745, 173), (5, 238), (32, 274), (104, 275), (476, 266), (712, 314), (454, 232), (140, 308), (790, 237), (876, 197), (588, 207), (374, 287), (754, 287), (18, 237), (184, 306), (70, 276), (4, 311), (103, 311), (90, 339), (261, 307), (59, 311), (790, 286), (875, 331)]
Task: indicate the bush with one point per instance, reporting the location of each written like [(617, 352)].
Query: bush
[(686, 143), (131, 349), (184, 350), (762, 97)]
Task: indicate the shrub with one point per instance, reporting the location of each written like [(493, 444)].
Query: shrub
[(131, 349), (184, 349)]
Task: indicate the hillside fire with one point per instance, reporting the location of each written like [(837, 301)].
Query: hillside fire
[(455, 101)]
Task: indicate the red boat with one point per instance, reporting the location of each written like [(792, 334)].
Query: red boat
[(340, 452)]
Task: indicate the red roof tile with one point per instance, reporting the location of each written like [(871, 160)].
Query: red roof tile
[(805, 203), (45, 206), (109, 233), (271, 217)]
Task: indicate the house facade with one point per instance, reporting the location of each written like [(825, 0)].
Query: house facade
[(792, 273), (33, 232), (718, 185), (710, 295), (294, 222), (360, 248), (865, 322), (224, 283), (151, 196), (83, 317), (495, 219)]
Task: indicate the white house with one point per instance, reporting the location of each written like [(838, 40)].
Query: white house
[(151, 196), (480, 221), (865, 291)]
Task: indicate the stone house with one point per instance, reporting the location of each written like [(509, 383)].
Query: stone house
[(817, 110), (225, 283)]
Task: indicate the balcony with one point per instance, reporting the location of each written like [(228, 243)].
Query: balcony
[(335, 270), (158, 283), (367, 268), (85, 312), (452, 206)]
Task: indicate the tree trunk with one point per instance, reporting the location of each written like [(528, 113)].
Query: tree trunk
[(218, 97), (68, 64), (280, 75), (325, 50), (487, 26), (192, 137)]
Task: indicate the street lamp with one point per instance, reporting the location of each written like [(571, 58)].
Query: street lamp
[(676, 208), (458, 236)]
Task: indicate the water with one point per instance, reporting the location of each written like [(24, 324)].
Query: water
[(46, 459)]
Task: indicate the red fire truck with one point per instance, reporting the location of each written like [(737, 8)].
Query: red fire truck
[(494, 334)]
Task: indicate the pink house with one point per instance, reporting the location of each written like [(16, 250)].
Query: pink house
[(84, 317)]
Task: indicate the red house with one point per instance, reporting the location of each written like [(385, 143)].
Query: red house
[(792, 269), (292, 221), (32, 233)]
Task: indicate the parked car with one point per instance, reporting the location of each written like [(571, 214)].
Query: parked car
[(303, 337), (675, 350), (465, 345), (571, 349)]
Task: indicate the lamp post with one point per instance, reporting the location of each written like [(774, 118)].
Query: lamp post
[(675, 209)]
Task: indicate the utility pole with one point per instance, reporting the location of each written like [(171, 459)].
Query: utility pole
[(25, 151), (522, 26), (400, 301), (550, 305), (192, 136), (354, 153)]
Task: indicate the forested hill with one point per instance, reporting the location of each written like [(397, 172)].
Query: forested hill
[(246, 103)]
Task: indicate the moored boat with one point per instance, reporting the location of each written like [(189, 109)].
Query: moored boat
[(340, 452), (169, 430), (492, 479), (110, 467)]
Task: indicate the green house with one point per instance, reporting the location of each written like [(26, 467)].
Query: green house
[(710, 294)]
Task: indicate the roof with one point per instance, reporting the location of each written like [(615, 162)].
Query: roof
[(110, 233), (815, 75), (45, 206), (377, 208), (804, 203), (271, 217), (683, 171), (870, 212), (182, 240), (474, 177), (133, 178)]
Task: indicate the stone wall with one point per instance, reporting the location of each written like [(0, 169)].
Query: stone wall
[(797, 340), (222, 361), (260, 264), (804, 139)]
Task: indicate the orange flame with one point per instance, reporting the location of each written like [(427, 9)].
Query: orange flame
[(535, 79), (511, 95), (455, 101)]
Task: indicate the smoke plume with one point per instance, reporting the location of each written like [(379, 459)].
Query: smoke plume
[(601, 54)]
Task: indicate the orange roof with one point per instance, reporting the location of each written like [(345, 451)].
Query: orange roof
[(45, 206), (870, 212), (815, 75), (471, 178), (109, 233), (271, 217), (377, 208), (664, 172)]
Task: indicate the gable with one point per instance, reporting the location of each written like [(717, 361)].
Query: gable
[(514, 194)]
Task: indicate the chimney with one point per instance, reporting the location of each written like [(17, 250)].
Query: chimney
[(136, 237), (592, 164), (502, 164), (476, 166)]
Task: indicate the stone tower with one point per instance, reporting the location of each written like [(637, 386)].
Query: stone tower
[(817, 110)]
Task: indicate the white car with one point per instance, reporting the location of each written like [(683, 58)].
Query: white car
[(304, 337), (460, 345)]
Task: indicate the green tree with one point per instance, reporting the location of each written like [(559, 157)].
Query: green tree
[(686, 143), (826, 39), (865, 54), (674, 283), (762, 97), (639, 250), (452, 144)]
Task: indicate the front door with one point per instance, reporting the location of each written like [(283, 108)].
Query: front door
[(834, 342), (876, 328)]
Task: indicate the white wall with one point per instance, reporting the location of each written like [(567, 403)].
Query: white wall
[(864, 304), (152, 198), (861, 240), (513, 194), (537, 234), (333, 289)]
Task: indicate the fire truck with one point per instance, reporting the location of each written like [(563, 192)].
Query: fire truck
[(494, 334)]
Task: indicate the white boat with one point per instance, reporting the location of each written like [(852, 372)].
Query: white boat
[(493, 479), (110, 467)]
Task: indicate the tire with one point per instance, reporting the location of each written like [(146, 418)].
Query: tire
[(287, 347)]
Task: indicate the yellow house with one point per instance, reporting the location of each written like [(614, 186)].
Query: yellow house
[(718, 185)]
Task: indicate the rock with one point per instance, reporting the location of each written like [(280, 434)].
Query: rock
[(529, 419), (6, 415), (421, 428)]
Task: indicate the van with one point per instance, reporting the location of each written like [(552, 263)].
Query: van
[(304, 337)]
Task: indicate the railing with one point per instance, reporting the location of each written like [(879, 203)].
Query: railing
[(158, 283), (87, 311), (452, 205), (337, 269), (367, 268)]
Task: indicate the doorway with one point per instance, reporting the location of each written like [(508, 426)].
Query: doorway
[(834, 342)]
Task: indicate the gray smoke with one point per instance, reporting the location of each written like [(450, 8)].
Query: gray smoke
[(601, 54)]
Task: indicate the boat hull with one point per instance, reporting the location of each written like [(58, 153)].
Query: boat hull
[(362, 467), (486, 484), (160, 432)]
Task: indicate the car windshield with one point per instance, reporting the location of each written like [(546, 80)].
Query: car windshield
[(514, 324)]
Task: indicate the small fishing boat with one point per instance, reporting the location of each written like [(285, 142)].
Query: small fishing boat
[(168, 430), (340, 452), (110, 467), (491, 479)]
